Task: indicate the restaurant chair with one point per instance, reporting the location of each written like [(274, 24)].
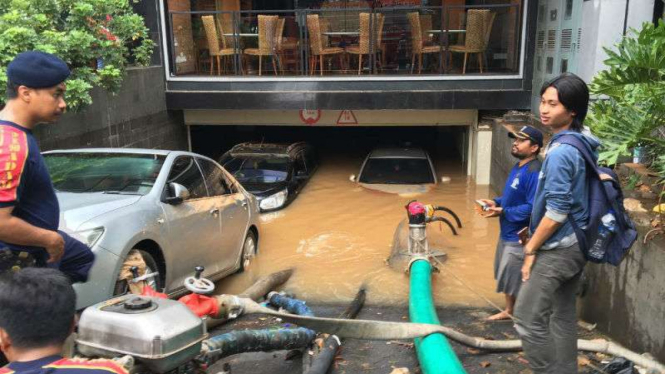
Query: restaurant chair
[(267, 28), (425, 26), (317, 48), (418, 47), (287, 48), (363, 46), (479, 24), (214, 49)]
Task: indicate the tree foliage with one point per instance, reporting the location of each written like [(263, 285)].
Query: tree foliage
[(631, 105), (96, 38)]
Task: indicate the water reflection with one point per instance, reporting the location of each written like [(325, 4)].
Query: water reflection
[(338, 235)]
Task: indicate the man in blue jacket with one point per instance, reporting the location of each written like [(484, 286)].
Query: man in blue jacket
[(513, 208), (545, 313)]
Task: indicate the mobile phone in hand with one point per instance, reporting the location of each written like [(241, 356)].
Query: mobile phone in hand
[(523, 234), (483, 205)]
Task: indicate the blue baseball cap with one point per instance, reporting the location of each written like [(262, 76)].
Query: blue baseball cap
[(528, 132), (37, 69)]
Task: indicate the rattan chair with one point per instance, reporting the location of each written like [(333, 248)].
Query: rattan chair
[(478, 28), (418, 47), (267, 28), (425, 26), (317, 48), (214, 48), (363, 47), (287, 48)]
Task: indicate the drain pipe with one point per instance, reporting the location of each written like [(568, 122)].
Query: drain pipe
[(320, 364), (265, 340), (435, 354), (291, 305), (224, 345)]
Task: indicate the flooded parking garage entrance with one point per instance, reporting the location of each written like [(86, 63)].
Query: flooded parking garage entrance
[(338, 234)]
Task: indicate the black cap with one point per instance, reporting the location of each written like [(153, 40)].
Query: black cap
[(36, 69), (528, 132)]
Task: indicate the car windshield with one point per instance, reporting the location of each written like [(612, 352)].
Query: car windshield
[(396, 171), (133, 174), (258, 169)]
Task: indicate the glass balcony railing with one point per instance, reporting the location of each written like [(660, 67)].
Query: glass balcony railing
[(336, 41)]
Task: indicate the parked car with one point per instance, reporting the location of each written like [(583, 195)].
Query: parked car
[(179, 209), (397, 166), (274, 173)]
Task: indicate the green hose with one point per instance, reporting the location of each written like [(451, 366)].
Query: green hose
[(436, 356)]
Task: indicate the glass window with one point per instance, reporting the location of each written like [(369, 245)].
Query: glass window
[(310, 160), (569, 9), (300, 165), (564, 65), (258, 169), (185, 172), (550, 65), (214, 177), (104, 172), (397, 171)]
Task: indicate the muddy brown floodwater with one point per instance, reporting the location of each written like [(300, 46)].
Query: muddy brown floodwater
[(337, 235)]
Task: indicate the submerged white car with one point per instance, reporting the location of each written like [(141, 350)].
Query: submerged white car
[(404, 166), (179, 209)]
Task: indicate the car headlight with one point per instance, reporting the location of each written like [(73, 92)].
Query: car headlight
[(89, 237), (274, 201)]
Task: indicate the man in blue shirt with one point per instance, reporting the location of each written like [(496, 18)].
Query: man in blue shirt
[(513, 208), (29, 210), (545, 313)]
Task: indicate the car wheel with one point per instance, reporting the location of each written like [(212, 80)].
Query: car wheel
[(248, 251), (155, 282)]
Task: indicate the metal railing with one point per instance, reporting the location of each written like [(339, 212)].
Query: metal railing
[(349, 41)]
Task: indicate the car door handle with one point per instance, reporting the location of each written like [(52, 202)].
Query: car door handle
[(214, 212)]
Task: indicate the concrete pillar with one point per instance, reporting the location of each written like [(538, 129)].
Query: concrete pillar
[(480, 152)]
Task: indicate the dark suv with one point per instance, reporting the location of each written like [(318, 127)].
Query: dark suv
[(274, 173)]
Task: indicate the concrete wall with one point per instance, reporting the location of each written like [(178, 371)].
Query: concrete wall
[(628, 302), (135, 117), (602, 24), (502, 160)]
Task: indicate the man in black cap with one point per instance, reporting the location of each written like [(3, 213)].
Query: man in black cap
[(513, 208), (29, 210)]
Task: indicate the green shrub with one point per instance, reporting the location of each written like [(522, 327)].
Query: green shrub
[(97, 39), (630, 105)]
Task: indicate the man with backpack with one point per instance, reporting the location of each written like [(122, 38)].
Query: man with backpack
[(545, 313)]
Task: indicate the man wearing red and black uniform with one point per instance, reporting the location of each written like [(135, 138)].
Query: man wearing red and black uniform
[(37, 314), (29, 210)]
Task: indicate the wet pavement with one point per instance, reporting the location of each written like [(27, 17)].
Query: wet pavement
[(381, 357)]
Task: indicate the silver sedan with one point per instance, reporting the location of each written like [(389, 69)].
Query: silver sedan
[(179, 209)]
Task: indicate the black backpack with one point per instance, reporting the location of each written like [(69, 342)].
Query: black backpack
[(604, 195)]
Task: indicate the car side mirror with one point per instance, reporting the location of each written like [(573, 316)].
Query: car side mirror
[(177, 194), (352, 177)]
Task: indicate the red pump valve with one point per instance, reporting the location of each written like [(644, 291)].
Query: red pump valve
[(201, 305)]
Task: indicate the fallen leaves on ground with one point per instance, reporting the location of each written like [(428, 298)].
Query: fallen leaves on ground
[(403, 344), (485, 364), (583, 361), (400, 371)]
